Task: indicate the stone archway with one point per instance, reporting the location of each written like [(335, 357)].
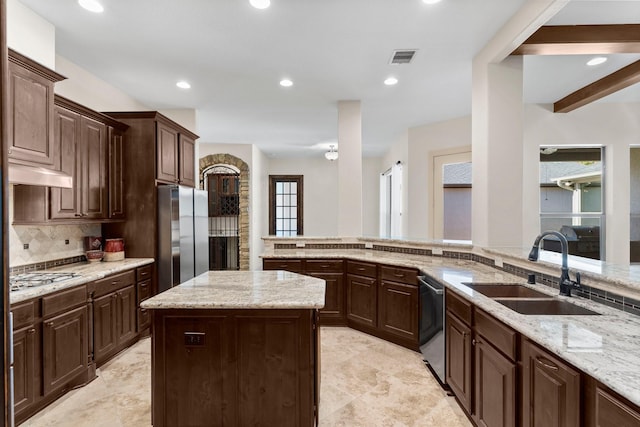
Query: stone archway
[(228, 159)]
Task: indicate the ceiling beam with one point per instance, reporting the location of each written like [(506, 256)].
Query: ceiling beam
[(619, 80), (582, 40)]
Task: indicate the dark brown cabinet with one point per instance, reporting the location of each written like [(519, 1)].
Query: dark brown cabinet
[(167, 153), (332, 272), (398, 302), (27, 359), (30, 124), (90, 150), (613, 411), (362, 295), (550, 388), (186, 155), (144, 277), (114, 315), (458, 359)]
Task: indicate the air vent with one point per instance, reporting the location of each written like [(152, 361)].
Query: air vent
[(403, 56)]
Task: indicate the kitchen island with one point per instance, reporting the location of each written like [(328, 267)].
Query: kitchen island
[(236, 348)]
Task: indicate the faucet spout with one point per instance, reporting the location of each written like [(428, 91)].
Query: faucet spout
[(565, 282)]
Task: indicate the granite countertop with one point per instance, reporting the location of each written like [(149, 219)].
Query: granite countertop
[(605, 346), (88, 272), (243, 290)]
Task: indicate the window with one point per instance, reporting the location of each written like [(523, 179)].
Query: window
[(571, 199), (285, 205)]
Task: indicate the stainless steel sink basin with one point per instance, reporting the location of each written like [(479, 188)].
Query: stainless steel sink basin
[(548, 307), (506, 290)]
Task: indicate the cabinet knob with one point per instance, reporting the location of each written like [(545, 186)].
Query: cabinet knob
[(50, 324), (31, 331), (114, 295)]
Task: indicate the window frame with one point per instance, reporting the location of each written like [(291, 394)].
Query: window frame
[(299, 180)]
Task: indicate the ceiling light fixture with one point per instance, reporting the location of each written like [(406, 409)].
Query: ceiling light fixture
[(286, 83), (390, 81), (597, 60), (260, 4), (183, 85), (431, 1), (91, 6), (332, 154)]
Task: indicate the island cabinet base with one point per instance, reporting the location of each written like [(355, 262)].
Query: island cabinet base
[(235, 367)]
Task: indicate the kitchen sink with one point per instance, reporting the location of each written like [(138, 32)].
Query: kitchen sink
[(506, 290), (548, 307)]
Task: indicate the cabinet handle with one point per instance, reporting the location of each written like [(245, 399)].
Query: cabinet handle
[(50, 324), (398, 275), (115, 295), (115, 282), (361, 269), (77, 215), (31, 331), (465, 334), (547, 363), (473, 341), (144, 286), (324, 266)]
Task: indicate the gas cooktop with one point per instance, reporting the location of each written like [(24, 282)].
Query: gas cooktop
[(30, 280)]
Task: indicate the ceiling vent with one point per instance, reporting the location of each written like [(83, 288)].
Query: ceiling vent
[(403, 56)]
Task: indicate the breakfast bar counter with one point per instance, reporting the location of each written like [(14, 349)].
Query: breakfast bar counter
[(236, 348)]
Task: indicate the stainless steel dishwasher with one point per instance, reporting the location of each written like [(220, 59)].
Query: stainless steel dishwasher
[(432, 342)]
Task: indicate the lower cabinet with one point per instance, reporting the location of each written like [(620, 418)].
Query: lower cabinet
[(613, 411), (550, 388), (65, 345), (27, 363), (398, 309), (361, 300), (114, 315), (458, 355)]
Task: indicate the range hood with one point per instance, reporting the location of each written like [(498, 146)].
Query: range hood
[(30, 175)]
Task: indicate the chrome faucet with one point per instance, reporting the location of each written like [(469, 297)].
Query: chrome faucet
[(566, 284)]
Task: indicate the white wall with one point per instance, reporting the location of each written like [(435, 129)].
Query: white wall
[(321, 196), (423, 142), (30, 35), (259, 198)]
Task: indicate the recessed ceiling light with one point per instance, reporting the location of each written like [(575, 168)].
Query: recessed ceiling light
[(91, 5), (183, 85), (597, 60), (286, 83), (390, 81), (260, 4), (431, 1)]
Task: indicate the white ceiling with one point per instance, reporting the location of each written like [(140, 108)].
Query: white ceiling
[(234, 56)]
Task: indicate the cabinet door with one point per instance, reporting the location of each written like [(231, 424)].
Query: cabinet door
[(167, 152), (65, 349), (65, 202), (30, 123), (458, 359), (613, 412), (105, 338), (398, 310), (94, 169), (361, 300), (25, 363), (116, 174), (187, 161), (550, 390), (495, 387), (126, 317), (333, 311)]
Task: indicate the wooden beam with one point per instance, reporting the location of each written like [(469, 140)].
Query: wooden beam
[(619, 80), (582, 40)]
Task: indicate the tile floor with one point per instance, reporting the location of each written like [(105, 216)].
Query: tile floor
[(365, 382)]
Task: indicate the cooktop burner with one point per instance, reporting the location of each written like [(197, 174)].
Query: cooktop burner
[(29, 280)]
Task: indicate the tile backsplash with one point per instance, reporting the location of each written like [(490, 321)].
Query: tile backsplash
[(46, 243)]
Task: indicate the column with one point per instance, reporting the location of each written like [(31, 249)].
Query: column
[(349, 169)]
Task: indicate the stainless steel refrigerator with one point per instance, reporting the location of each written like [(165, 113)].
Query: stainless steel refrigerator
[(183, 235)]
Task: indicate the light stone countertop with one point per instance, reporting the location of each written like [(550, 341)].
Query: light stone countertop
[(242, 290), (605, 346), (88, 272)]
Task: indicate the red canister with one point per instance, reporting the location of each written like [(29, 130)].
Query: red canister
[(114, 245)]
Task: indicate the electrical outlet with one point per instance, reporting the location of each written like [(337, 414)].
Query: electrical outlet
[(25, 246), (436, 251), (192, 339), (498, 262), (66, 241), (299, 244), (368, 245)]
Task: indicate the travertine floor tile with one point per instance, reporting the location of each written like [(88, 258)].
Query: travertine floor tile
[(365, 381)]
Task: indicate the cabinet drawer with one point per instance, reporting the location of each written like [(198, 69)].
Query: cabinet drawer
[(458, 306), (24, 314), (323, 265), (63, 301), (362, 269), (113, 283), (144, 273), (144, 319), (399, 274), (144, 290), (497, 333), (294, 265)]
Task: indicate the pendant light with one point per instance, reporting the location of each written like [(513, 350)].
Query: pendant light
[(332, 154)]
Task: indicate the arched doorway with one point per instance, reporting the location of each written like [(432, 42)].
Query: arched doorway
[(228, 179)]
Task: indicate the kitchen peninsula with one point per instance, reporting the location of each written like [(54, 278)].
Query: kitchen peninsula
[(236, 348)]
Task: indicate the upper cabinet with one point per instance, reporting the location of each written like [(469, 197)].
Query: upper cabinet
[(172, 145), (31, 133), (89, 147)]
